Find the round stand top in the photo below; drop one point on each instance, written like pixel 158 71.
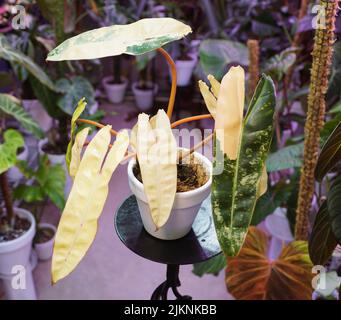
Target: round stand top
pixel 198 245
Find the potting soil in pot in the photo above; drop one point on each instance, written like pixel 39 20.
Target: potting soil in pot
pixel 7 233
pixel 190 174
pixel 44 235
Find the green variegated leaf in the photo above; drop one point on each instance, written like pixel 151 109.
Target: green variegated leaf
pixel 11 106
pixel 334 208
pixel 234 191
pixel 78 111
pixel 13 140
pixel 136 38
pixel 14 56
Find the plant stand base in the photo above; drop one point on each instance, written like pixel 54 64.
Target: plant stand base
pixel 199 245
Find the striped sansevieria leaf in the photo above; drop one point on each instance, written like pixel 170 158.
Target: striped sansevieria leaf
pixel 241 148
pixel 136 38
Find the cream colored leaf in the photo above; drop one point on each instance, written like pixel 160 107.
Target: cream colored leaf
pixel 157 154
pixel 78 224
pixel 215 85
pixel 135 38
pixel 262 183
pixel 210 100
pixel 77 150
pixel 229 115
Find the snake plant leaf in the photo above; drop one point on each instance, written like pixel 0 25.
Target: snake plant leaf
pixel 136 38
pixel 236 190
pixel 78 224
pixel 157 155
pixel 77 150
pixel 77 113
pixel 321 241
pixel 252 276
pixel 334 208
pixel 14 56
pixel 330 154
pixel 13 140
pixel 12 106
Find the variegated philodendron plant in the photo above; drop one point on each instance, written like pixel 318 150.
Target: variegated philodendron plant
pixel 242 145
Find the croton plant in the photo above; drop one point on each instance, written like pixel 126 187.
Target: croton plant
pixel 242 140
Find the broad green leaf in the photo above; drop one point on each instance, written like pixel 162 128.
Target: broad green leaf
pixel 78 225
pixel 334 208
pixel 234 191
pixel 216 55
pixel 74 89
pixel 211 266
pixel 13 140
pixel 29 194
pixel 12 106
pixel 10 54
pixel 78 111
pixel 285 158
pixel 330 154
pixel 322 241
pixel 136 38
pixel 329 127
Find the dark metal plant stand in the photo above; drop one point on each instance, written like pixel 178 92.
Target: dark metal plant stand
pixel 199 245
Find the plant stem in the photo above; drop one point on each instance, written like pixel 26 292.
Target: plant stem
pixel 6 193
pixel 189 119
pixel 116 69
pixel 96 124
pixel 253 46
pixel 322 54
pixel 173 87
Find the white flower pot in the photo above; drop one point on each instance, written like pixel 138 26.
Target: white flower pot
pixel 57 159
pixel 185 208
pixel 184 70
pixel 144 98
pixel 114 91
pixel 38 113
pixel 44 250
pixel 14 260
pixel 14 173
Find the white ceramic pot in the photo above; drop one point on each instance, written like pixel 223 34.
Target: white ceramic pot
pixel 38 113
pixel 14 259
pixel 185 208
pixel 56 159
pixel 184 70
pixel 14 173
pixel 44 250
pixel 114 91
pixel 144 98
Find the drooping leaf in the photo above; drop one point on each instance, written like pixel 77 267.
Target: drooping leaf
pixel 322 241
pixel 234 191
pixel 78 111
pixel 216 55
pixel 12 106
pixel 13 140
pixel 74 89
pixel 29 194
pixel 211 266
pixel 78 224
pixel 252 276
pixel 143 60
pixel 136 38
pixel 285 158
pixel 330 154
pixel 334 208
pixel 14 56
pixel 157 156
pixel 77 150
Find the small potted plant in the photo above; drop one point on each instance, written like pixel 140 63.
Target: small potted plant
pixel 185 63
pixel 115 86
pixel 144 89
pixel 45 182
pixel 242 144
pixel 17 226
